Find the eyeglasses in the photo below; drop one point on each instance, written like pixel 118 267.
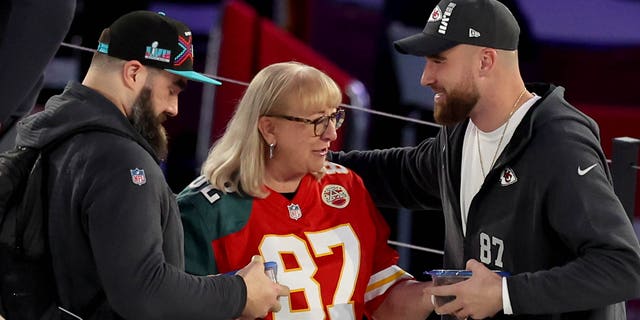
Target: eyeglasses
pixel 321 124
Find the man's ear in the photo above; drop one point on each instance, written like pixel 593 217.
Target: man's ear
pixel 267 129
pixel 488 59
pixel 134 75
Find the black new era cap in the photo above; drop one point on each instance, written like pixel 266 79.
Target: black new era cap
pixel 485 23
pixel 155 40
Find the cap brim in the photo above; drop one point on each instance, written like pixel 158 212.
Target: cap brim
pixel 192 75
pixel 423 45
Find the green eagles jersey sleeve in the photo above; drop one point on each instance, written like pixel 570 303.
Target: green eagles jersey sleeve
pixel 208 214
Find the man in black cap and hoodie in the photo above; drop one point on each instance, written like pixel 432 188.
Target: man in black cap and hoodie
pixel 115 233
pixel 519 175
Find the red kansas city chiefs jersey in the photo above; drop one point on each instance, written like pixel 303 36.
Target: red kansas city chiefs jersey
pixel 329 242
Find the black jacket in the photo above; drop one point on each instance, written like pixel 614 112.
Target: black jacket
pixel 559 228
pixel 115 233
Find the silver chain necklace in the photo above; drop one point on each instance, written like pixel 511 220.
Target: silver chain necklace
pixel 495 154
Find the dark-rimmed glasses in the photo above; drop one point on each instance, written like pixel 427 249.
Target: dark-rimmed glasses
pixel 320 125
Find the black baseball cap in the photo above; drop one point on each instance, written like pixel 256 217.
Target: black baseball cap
pixel 155 40
pixel 485 23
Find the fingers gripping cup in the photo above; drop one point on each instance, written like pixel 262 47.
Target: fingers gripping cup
pixel 271 270
pixel 447 277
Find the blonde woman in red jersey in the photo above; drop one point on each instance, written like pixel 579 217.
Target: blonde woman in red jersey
pixel 267 189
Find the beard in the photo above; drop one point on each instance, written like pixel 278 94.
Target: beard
pixel 148 124
pixel 457 105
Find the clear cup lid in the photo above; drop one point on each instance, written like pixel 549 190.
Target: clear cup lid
pixel 459 273
pixel 271 265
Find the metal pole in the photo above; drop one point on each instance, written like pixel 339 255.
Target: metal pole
pixel 358 95
pixel 624 172
pixel 207 104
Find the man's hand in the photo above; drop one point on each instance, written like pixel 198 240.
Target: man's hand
pixel 478 297
pixel 262 293
pixel 407 300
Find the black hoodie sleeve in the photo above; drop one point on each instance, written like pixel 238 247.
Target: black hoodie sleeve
pixel 134 228
pixel 398 177
pixel 583 210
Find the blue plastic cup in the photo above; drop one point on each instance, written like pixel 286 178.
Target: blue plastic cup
pixel 446 277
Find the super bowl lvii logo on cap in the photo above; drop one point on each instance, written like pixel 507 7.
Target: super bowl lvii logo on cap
pixel 158 54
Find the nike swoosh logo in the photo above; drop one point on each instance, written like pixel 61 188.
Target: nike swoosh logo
pixel 585 171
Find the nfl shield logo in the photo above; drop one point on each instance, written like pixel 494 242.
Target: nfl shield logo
pixel 294 211
pixel 137 176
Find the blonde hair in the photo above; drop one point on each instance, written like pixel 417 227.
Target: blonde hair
pixel 236 162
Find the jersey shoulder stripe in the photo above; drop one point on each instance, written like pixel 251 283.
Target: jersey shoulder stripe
pixel 380 282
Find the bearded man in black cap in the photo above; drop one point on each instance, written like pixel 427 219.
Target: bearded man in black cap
pixel 519 174
pixel 115 233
